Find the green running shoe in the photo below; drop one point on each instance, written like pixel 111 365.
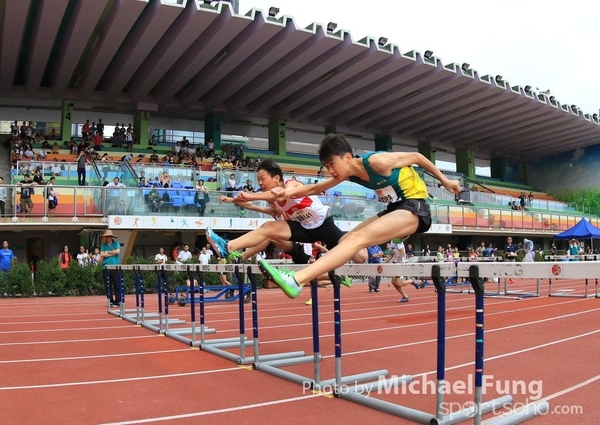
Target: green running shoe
pixel 235 256
pixel 283 278
pixel 345 280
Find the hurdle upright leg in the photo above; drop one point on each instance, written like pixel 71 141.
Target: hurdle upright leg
pixel 265 362
pixel 177 333
pixel 339 379
pixel 314 293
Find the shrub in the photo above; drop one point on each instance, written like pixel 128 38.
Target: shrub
pixel 49 278
pixel 18 280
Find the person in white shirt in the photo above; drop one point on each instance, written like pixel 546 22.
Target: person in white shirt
pixel 209 251
pixel 185 255
pixel 113 193
pixel 399 282
pixel 204 257
pixel 160 258
pixel 96 258
pixel 83 258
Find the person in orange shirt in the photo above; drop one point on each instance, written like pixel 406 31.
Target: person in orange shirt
pixel 64 258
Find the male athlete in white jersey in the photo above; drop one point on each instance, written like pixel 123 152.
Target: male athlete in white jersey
pixel 303 219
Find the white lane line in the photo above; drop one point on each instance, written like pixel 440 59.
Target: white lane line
pixel 66 341
pixel 217 411
pixel 43 322
pixel 116 381
pixel 103 356
pixel 428 341
pixel 67 329
pixel 512 353
pixel 391 328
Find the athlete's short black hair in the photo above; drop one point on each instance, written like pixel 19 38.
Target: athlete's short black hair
pixel 271 167
pixel 333 145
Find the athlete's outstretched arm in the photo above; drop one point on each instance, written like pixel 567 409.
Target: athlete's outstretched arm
pixel 296 189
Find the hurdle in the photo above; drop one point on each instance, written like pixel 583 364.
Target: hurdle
pixel 163 321
pixel 465 286
pixel 550 271
pixel 315 382
pixel 355 394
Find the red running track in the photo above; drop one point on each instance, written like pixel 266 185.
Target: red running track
pixel 66 361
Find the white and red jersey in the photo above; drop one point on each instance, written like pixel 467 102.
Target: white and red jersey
pixel 309 211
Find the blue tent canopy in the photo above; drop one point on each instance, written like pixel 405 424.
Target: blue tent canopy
pixel 582 230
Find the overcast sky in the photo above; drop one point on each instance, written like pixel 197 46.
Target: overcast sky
pixel 546 44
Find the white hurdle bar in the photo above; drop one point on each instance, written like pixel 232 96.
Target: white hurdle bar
pixel 542 270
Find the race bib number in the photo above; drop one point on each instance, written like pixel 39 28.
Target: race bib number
pixel 305 216
pixel 386 195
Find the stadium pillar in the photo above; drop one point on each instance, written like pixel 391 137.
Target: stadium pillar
pixel 465 162
pixel 141 127
pixel 277 137
pixel 383 143
pixel 66 120
pixel 427 151
pixel 523 172
pixel 498 168
pixel 212 128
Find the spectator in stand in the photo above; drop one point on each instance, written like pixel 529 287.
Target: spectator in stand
pixel 65 258
pixel 426 252
pixel 410 252
pixel 155 200
pixel 142 180
pixel 231 183
pixel 83 257
pixel 85 129
pixel 100 128
pixel 26 191
pixel 82 160
pixel 129 138
pixel 51 196
pixel 2 196
pixel 200 197
pixel 210 148
pixel 165 180
pixel 97 142
pixel 113 193
pixel 154 157
pixel 7 257
pixel 249 187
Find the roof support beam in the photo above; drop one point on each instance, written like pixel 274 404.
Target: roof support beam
pixel 47 23
pixel 79 30
pixel 13 30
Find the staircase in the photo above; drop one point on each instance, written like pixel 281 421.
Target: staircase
pixel 5 168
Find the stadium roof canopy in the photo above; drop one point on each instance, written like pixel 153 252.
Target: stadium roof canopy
pixel 181 61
